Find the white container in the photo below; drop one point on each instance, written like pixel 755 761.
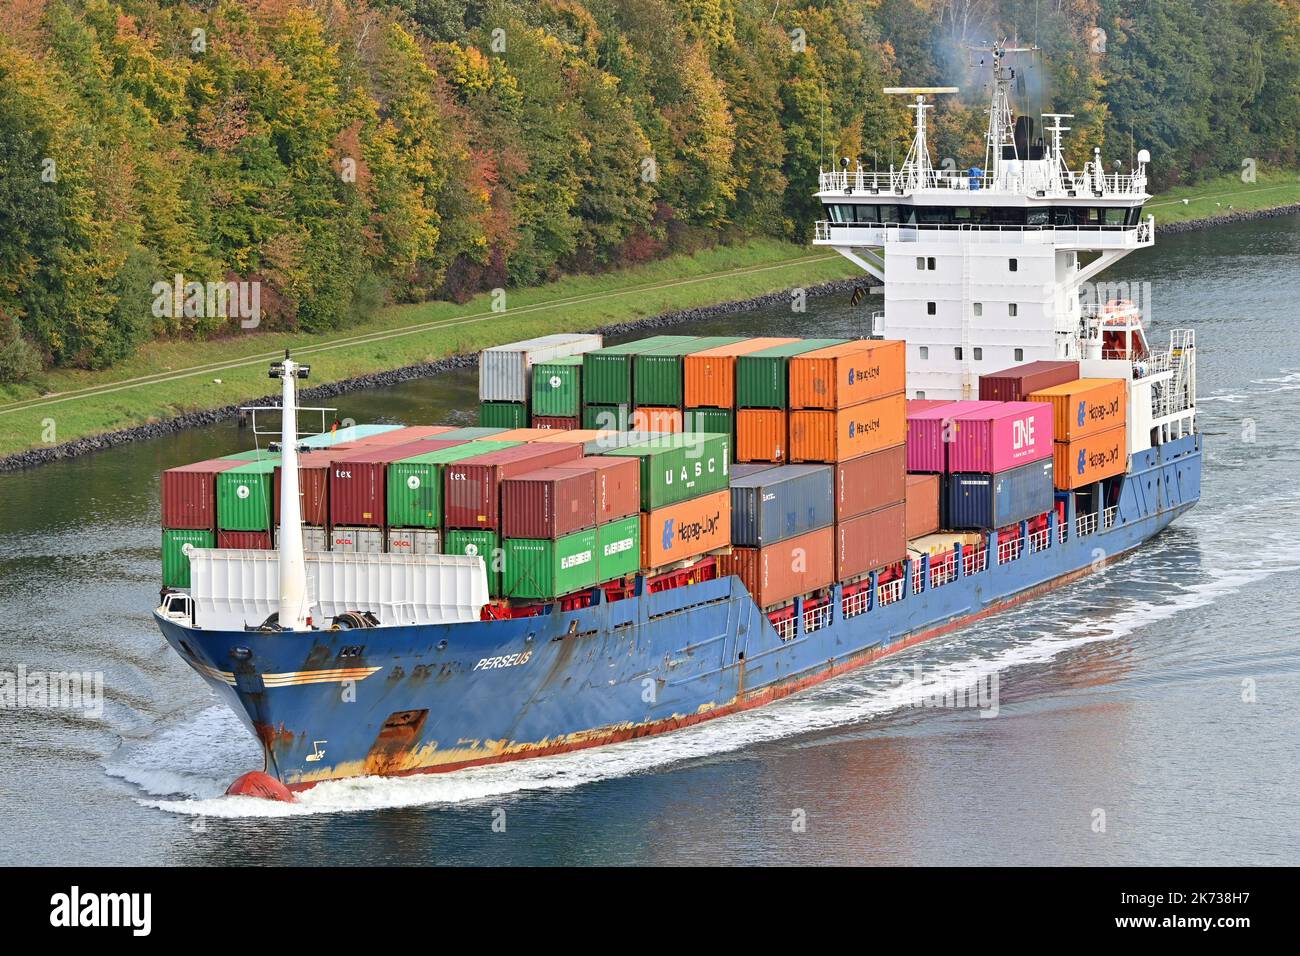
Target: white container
pixel 505 371
pixel 414 541
pixel 314 538
pixel 357 540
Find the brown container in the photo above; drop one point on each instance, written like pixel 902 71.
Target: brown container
pixel 472 487
pixel 843 375
pixel 870 541
pixel 548 503
pixel 870 481
pixel 189 494
pixel 553 423
pixel 651 418
pixel 711 375
pixel 832 436
pixel 1014 384
pixel 618 485
pixel 358 486
pixel 922 505
pixel 779 572
pixel 400 436
pixel 761 435
pixel 314 482
pixel 256 540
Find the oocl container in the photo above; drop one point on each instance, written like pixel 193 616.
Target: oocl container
pixel 618 485
pixel 189 494
pixel 1002 436
pixel 550 423
pixel 762 377
pixel 710 374
pixel 1016 383
pixel 847 374
pixel 544 568
pixel 472 487
pixel 779 572
pixel 930 433
pixel 922 505
pixel 618 548
pixel 677 467
pixel 414 541
pixel 1087 406
pixel 762 435
pixel 651 419
pixel 358 481
pixel 557 388
pixel 244 497
pixel 685 529
pixel 848 432
pixel 357 540
pixel 607 372
pixel 176 547
pixel 506 371
pixel 658 378
pixel 548 503
pixel 503 415
pixel 780 502
pixel 986 501
pixel 870 481
pixel 1092 458
pixel 870 541
pixel 478 543
pixel 414 492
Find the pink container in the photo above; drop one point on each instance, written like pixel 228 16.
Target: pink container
pixel 1007 435
pixel 926 448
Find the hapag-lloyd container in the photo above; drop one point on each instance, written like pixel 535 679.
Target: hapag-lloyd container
pixel 831 436
pixel 618 548
pixel 1092 458
pixel 779 503
pixel 778 572
pixel 711 373
pixel 618 485
pixel 557 388
pixel 658 379
pixel 685 529
pixel 930 433
pixel 505 372
pixel 189 494
pixel 1085 407
pixel 472 487
pixel 1016 383
pixel 649 418
pixel 869 481
pixel 176 547
pixel 762 377
pixel 503 414
pixel 677 467
pixel 870 541
pixel 479 543
pixel 548 502
pixel 607 372
pixel 1006 435
pixel 313 483
pixel 548 568
pixel 550 423
pixel 244 496
pixel 986 501
pixel 762 435
pixel 414 498
pixel 848 374
pixel 922 505
pixel 358 481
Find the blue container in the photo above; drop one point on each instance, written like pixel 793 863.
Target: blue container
pixel 781 502
pixel 980 502
pixel 745 469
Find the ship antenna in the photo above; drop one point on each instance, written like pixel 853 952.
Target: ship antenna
pixel 294 608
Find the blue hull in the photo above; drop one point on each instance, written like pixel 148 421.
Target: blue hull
pixel 396 700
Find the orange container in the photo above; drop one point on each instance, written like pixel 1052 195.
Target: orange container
pixel 1085 460
pixel 685 529
pixel 571 436
pixel 819 435
pixel 1086 406
pixel 761 435
pixel 522 434
pixel 651 418
pixel 776 573
pixel 711 374
pixel 842 375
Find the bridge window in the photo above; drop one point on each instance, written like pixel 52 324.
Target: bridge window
pixel 979 309
pixel 1012 309
pixel 930 263
pixel 1020 355
pixel 920 262
pixel 1013 265
pixel 956 353
pixel 1116 217
pixel 979 353
pixel 931 308
pixel 924 352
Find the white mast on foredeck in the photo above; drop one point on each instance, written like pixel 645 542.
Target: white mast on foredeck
pixel 294 609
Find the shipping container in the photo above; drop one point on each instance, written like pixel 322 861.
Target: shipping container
pixel 355 540
pixel 473 433
pixel 606 417
pixel 189 494
pixel 618 485
pixel 718 421
pixel 472 487
pixel 1002 436
pixel 781 571
pixel 313 483
pixel 618 548
pixel 252 454
pixel 918 405
pixel 176 546
pixel 710 375
pixel 255 540
pixel 930 434
pixel 479 543
pixel 677 467
pixel 503 415
pixel 522 435
pixel 414 541
pixel 1092 458
pixel 922 505
pixel 505 372
pixel 658 378
pixel 557 388
pixel 575 436
pixel 359 482
pixel 244 497
pixel 548 502
pixel 779 503
pixel 314 538
pixel 407 433
pixel 870 481
pixel 346 435
pixel 762 435
pixel 848 374
pixel 651 419
pixel 606 440
pixel 607 372
pixel 541 568
pixel 551 423
pixel 871 541
pixel 986 501
pixel 1016 383
pixel 685 529
pixel 744 470
pixel 832 436
pixel 414 493
pixel 762 377
pixel 1087 406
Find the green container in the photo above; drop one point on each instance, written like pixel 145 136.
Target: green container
pixel 681 466
pixel 473 433
pixel 657 377
pixel 618 548
pixel 415 483
pixel 762 378
pixel 502 415
pixel 253 454
pixel 175 563
pixel 611 417
pixel 482 543
pixel 557 387
pixel 719 421
pixel 542 568
pixel 244 501
pixel 607 373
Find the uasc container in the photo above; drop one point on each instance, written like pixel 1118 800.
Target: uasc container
pixel 1085 407
pixel 779 503
pixel 472 487
pixel 870 481
pixel 931 431
pixel 762 435
pixel 778 572
pixel 762 377
pixel 711 374
pixel 548 503
pixel 848 432
pixel 685 529
pixel 848 374
pixel 1005 435
pixel 871 541
pixel 189 494
pixel 922 505
pixel 1092 458
pixel 618 485
pixel 1015 384
pixel 986 501
pixel 545 568
pixel 677 467
pixel 506 371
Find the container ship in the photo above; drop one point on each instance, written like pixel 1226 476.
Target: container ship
pixel 642 536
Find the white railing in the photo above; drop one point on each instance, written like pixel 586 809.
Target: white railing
pixel 1087 237
pixel 890 591
pixel 785 629
pixel 1009 550
pixel 857 603
pixel 941 574
pixel 974 560
pixel 1108 517
pixel 1061 533
pixel 815 618
pixel 918 578
pixel 1086 524
pixel 1039 540
pixel 1028 183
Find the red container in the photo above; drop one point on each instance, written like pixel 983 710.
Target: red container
pixel 189 494
pixel 548 503
pixel 870 541
pixel 1000 437
pixel 869 482
pixel 1014 384
pixel 618 485
pixel 922 505
pixel 400 436
pixel 554 422
pixel 782 571
pixel 916 405
pixel 472 488
pixel 258 540
pixel 930 433
pixel 314 482
pixel 358 488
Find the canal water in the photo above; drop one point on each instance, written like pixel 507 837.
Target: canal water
pixel 1146 715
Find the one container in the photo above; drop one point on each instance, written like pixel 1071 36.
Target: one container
pixel 930 434
pixel 176 547
pixel 548 503
pixel 658 378
pixel 189 494
pixel 1092 458
pixel 870 541
pixel 985 501
pixel 414 541
pixel 719 421
pixel 483 544
pixel 710 374
pixel 817 435
pixel 244 496
pixel 606 417
pixel 472 433
pixel 649 418
pixel 254 540
pixel 607 372
pixel 618 485
pixel 1016 383
pixel 677 467
pixel 779 503
pixel 761 435
pixel 347 435
pixel 550 423
pixel 506 371
pixel 1000 437
pixel 870 481
pixel 762 377
pixel 1085 407
pixel 472 487
pixel 848 374
pixel 685 529
pixel 503 415
pixel 414 493
pixel 922 505
pixel 359 481
pixel 557 388
pixel 778 572
pixel 540 568
pixel 576 436
pixel 357 540
pixel 618 548
pixel 313 484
